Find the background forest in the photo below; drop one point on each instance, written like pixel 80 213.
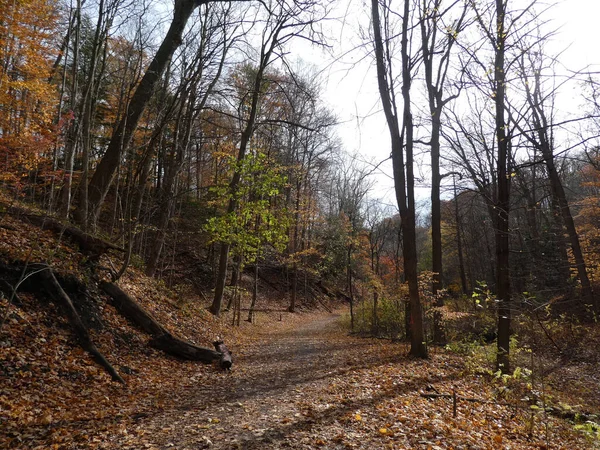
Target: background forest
pixel 196 141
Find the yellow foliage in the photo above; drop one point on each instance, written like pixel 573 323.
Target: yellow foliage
pixel 27 98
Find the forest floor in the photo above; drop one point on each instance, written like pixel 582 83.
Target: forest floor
pixel 311 385
pixel 299 381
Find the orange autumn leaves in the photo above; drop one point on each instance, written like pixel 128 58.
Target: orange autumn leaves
pixel 27 100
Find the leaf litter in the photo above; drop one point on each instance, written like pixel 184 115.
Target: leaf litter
pixel 299 382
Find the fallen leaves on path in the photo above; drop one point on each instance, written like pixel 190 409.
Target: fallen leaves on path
pixel 302 383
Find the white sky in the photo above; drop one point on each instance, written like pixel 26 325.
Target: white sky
pixel 351 91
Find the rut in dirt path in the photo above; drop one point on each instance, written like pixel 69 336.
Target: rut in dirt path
pixel 265 399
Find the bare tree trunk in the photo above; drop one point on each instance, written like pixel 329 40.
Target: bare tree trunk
pixel 254 293
pixel 436 51
pixel 294 298
pixel 558 230
pixel 86 121
pixel 502 207
pixel 235 273
pixel 71 140
pixel 461 263
pixel 265 58
pixel 404 182
pixel 236 279
pixel 349 285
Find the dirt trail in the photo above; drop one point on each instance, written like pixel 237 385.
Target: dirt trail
pixel 269 400
pixel 312 386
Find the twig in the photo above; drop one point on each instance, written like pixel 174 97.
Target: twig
pixel 455 397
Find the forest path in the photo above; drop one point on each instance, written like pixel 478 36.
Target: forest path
pixel 307 384
pixel 283 391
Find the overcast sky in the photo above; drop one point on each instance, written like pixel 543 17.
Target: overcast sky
pixel 351 88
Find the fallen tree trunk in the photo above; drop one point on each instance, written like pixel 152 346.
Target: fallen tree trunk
pixel 60 297
pixel 226 361
pixel 182 349
pixel 162 339
pixel 132 310
pixel 88 244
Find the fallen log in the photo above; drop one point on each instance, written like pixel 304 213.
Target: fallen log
pixel 132 310
pixel 182 349
pixel 226 361
pixel 162 339
pixel 87 243
pixel 60 297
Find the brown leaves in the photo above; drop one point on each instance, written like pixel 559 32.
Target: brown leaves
pixel 299 383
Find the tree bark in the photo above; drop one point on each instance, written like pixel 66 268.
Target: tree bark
pixel 254 293
pixel 88 107
pixel 461 259
pixel 502 207
pixel 404 181
pixel 184 350
pixel 72 132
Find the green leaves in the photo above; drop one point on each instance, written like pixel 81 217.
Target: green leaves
pixel 258 220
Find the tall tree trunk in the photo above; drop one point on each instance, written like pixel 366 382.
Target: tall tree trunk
pixel 438 55
pixel 294 298
pixel 72 132
pixel 556 227
pixel 418 345
pixel 436 227
pixel 86 120
pixel 404 182
pixel 503 205
pixel 349 287
pixel 236 279
pixel 254 293
pixel 461 262
pixel 103 176
pixel 266 53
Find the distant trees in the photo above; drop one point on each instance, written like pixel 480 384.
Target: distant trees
pixel 89 209
pixel 286 21
pixel 535 122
